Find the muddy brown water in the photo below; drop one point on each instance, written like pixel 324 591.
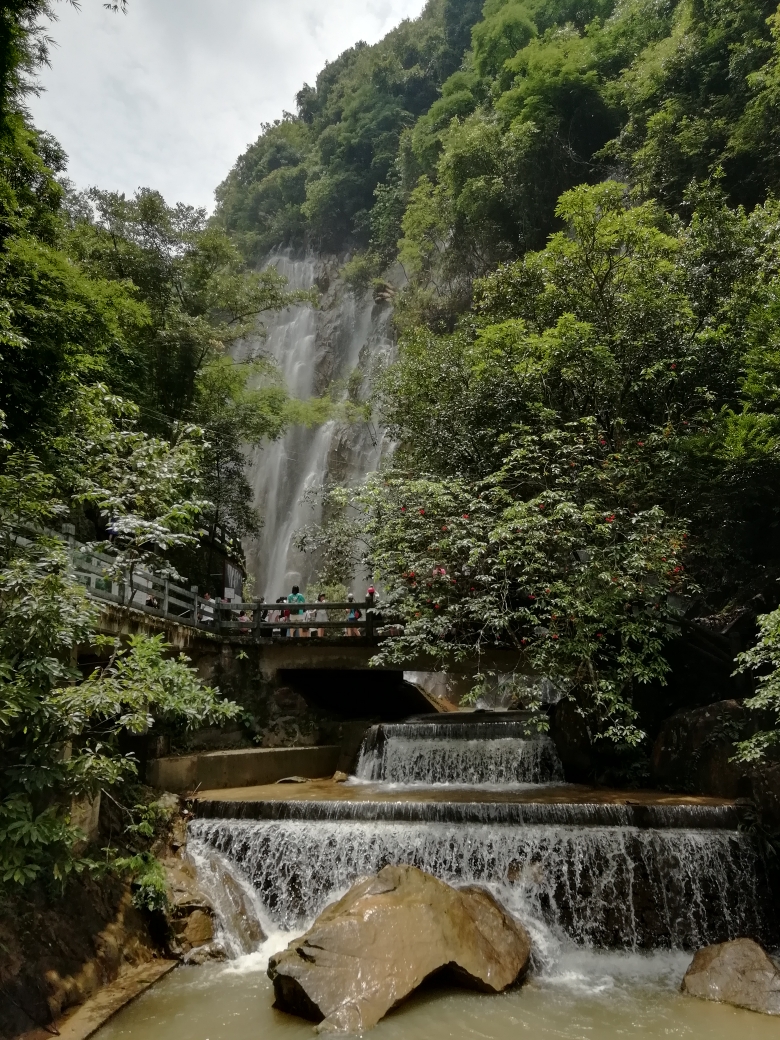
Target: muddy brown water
pixel 585 996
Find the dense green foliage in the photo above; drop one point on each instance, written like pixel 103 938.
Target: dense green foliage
pixel 458 131
pixel 122 413
pixel 594 445
pixel 585 401
pixel 315 174
pixel 60 737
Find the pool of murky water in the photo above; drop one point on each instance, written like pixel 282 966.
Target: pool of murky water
pixel 583 996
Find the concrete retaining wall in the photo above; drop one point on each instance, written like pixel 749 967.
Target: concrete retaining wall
pixel 244 768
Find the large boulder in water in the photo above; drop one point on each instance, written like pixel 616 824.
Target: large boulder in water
pixel 737 972
pixel 372 948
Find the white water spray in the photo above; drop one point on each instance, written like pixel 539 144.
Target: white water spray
pixel 314 347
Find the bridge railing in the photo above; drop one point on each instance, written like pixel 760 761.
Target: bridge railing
pixel 160 597
pixel 257 622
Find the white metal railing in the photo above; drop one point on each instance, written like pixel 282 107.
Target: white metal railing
pixel 144 590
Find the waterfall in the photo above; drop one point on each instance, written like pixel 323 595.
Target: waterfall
pixel 483 754
pixel 602 886
pixel 631 874
pixel 238 908
pixel 340 341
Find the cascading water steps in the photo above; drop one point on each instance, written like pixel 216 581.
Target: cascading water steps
pixel 476 799
pixel 480 753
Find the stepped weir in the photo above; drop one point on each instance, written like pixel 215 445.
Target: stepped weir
pixel 477 799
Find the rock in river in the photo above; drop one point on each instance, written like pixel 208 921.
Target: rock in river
pixel 373 947
pixel 737 972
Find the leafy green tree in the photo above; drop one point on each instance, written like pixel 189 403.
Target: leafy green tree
pixel 192 280
pixel 763 660
pixel 504 30
pixel 548 555
pixel 597 439
pixel 59 736
pixel 142 493
pixel 689 96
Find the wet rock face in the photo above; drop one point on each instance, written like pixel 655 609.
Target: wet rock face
pixel 371 949
pixel 190 914
pixel 694 748
pixel 694 752
pixel 738 973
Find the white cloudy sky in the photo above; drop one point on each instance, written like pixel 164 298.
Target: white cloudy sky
pixel 169 95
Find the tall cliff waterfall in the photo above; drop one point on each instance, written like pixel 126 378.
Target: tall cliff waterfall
pixel 342 341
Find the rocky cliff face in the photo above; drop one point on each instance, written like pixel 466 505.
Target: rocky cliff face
pixel 339 345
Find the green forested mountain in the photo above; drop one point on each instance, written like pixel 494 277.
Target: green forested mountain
pixel 314 175
pixel 458 131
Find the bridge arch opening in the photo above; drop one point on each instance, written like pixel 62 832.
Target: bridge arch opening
pixel 357 693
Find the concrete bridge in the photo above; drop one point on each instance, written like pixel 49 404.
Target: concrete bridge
pixel 334 651
pixel 237 646
pixel 142 600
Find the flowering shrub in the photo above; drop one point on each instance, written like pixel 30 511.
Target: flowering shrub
pixel 580 592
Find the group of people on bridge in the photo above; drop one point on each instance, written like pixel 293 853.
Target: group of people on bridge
pixel 286 617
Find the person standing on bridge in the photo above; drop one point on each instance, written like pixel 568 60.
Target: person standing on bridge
pixel 206 616
pixel 296 596
pixel 321 615
pixel 355 614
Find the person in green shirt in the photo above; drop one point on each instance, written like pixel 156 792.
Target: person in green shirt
pixel 296 596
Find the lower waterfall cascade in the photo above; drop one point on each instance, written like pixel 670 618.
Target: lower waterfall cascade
pixel 619 876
